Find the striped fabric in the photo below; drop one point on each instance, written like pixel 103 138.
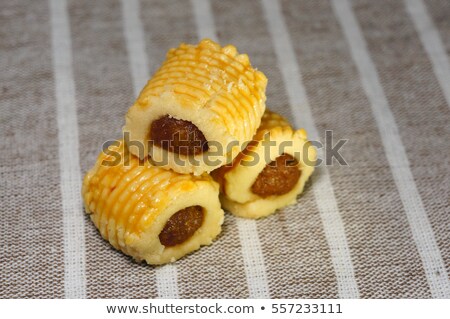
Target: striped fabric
pixel 375 73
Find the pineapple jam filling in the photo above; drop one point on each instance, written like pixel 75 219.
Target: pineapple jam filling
pixel 278 177
pixel 178 136
pixel 181 226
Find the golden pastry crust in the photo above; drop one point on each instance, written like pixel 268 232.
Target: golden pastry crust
pixel 274 137
pixel 130 203
pixel 214 88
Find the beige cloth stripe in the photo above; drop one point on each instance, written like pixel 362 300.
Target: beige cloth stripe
pixel 135 41
pixel 74 245
pixel 432 43
pixel 167 281
pixel 206 27
pixel 255 268
pixel 419 223
pixel 252 253
pixel 166 276
pixel 323 189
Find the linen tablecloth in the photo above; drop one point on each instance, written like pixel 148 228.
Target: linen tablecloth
pixel 373 73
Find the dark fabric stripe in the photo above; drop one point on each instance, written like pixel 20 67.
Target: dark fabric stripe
pixel 166 25
pixel 104 93
pixel 31 250
pixel 215 271
pixel 293 238
pixel 440 13
pixel 243 25
pixel 371 208
pixel 418 105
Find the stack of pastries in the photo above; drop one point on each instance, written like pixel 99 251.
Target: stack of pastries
pixel 198 138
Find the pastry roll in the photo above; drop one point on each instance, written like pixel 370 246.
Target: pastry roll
pixel 270 172
pixel 198 110
pixel 147 212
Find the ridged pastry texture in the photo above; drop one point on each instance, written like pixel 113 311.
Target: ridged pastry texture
pixel 274 137
pixel 130 202
pixel 213 87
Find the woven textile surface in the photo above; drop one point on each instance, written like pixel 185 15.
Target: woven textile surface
pixel 375 73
